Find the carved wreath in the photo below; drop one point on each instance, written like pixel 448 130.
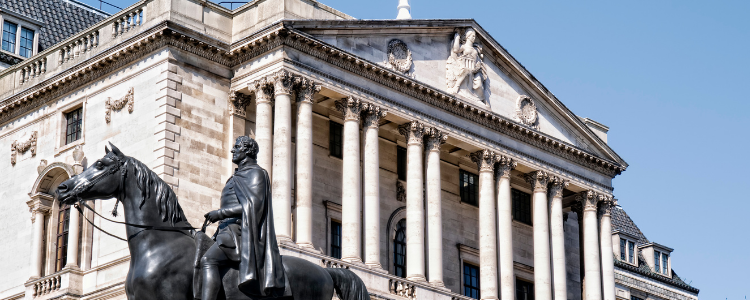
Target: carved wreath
pixel 118 104
pixel 399 56
pixel 526 112
pixel 16 147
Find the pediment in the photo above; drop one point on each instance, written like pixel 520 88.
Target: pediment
pixel 436 53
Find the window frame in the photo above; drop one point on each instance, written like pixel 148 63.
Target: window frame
pixel 527 283
pixel 21 42
pixel 335 149
pixel 22 22
pixel 401 162
pixel 623 249
pixel 465 285
pixel 665 263
pixel 516 207
pixel 14 38
pixel 631 252
pixel 61 237
pixel 61 137
pixel 472 190
pixel 400 228
pixel 334 233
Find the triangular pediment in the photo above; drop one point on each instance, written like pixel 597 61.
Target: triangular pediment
pixel 441 54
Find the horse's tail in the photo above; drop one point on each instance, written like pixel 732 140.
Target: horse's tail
pixel 348 285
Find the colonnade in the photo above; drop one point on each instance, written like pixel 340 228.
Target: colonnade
pixel 423 185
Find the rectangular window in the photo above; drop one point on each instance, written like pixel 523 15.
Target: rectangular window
pixel 336 139
pixel 657 260
pixel 63 220
pixel 469 185
pixel 401 162
pixel 9 36
pixel 73 129
pixel 27 43
pixel 631 252
pixel 471 281
pixel 623 251
pixel 335 239
pixel 521 206
pixel 524 290
pixel 635 298
pixel 664 263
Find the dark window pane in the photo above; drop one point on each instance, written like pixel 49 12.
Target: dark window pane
pixel 631 252
pixel 657 262
pixel 9 36
pixel 335 141
pixel 399 249
pixel 401 162
pixel 469 185
pixel 622 249
pixel 524 290
pixel 521 206
pixel 63 220
pixel 664 264
pixel 471 281
pixel 74 122
pixel 336 239
pixel 635 298
pixel 27 43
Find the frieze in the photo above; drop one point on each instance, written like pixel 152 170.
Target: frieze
pixel 118 105
pixel 22 147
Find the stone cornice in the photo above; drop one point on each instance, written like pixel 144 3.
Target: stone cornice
pixel 173 35
pixel 669 281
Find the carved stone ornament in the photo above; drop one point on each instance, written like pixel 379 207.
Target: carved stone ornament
pixel 588 200
pixel 263 89
pixel 29 145
pixel 118 104
pixel 556 186
pixel 283 82
pixel 485 160
pixel 504 166
pixel 400 192
pixel 606 203
pixel 465 69
pixel 413 132
pixel 306 90
pixel 434 138
pixel 538 180
pixel 42 165
pixel 350 107
pixel 526 112
pixel 372 115
pixel 399 56
pixel 238 104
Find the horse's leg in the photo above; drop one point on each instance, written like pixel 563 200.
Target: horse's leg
pixel 307 280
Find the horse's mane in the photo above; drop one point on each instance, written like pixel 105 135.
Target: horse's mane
pixel 166 200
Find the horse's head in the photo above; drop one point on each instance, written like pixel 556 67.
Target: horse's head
pixel 102 180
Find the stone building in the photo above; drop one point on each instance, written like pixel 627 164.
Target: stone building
pixel 418 153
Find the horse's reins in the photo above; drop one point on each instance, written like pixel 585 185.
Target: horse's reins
pixel 119 166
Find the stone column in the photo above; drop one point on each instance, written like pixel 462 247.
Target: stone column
pixel 73 237
pixel 433 140
pixel 485 160
pixel 415 267
pixel 557 232
pixel 505 227
pixel 39 205
pixel 542 268
pixel 372 115
pixel 264 123
pixel 282 156
pixel 351 191
pixel 606 203
pixel 592 270
pixel 237 114
pixel 307 90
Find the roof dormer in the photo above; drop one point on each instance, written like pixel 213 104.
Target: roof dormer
pixel 624 245
pixel 20 34
pixel 658 258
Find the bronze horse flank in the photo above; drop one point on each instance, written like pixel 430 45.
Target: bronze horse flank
pixel 162 261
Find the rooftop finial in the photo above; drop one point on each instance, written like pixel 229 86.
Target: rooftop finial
pixel 404 10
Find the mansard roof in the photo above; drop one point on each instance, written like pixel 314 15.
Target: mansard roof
pixel 60 18
pixel 622 222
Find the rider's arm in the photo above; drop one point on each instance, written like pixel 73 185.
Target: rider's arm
pixel 234 211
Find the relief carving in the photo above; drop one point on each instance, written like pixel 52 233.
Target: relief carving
pixel 526 112
pixel 400 191
pixel 16 147
pixel 238 104
pixel 399 57
pixel 118 104
pixel 465 70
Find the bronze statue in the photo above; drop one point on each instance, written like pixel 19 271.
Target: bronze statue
pixel 168 255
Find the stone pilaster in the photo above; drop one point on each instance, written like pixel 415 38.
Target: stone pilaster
pixel 351 195
pixel 263 90
pixel 592 288
pixel 283 82
pixel 414 134
pixel 542 268
pixel 306 90
pixel 39 206
pixel 434 138
pixel 505 227
pixel 557 233
pixel 372 115
pixel 606 204
pixel 485 160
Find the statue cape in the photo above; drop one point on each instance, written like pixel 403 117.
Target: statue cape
pixel 261 272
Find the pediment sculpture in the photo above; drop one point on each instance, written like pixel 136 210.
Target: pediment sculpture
pixel 399 57
pixel 526 112
pixel 466 73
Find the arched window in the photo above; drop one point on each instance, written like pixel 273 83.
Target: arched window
pixel 399 249
pixel 63 227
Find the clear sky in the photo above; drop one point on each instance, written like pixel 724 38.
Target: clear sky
pixel 670 79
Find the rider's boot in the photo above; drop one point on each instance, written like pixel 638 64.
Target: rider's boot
pixel 211 282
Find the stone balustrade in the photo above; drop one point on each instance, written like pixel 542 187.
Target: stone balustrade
pixel 128 21
pixel 33 69
pixel 47 285
pixel 79 47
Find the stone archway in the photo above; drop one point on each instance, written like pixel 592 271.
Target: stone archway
pixel 396 216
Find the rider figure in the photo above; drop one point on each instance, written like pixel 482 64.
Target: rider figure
pixel 246 234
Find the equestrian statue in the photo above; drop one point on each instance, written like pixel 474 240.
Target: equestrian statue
pixel 169 259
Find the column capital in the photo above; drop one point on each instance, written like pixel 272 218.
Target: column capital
pixel 485 160
pixel 606 204
pixel 238 102
pixel 372 115
pixel 556 186
pixel 504 165
pixel 306 89
pixel 283 82
pixel 434 138
pixel 413 132
pixel 350 107
pixel 538 180
pixel 39 203
pixel 263 90
pixel 588 200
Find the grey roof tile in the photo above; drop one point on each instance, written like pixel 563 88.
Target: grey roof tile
pixel 622 222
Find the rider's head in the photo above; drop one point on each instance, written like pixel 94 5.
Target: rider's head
pixel 244 147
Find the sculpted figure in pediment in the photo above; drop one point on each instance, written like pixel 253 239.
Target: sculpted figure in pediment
pixel 466 72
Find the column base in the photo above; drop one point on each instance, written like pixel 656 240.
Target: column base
pixel 72 267
pixel 438 284
pixel 417 278
pixel 353 260
pixel 308 246
pixel 376 267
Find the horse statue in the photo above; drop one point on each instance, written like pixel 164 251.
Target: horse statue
pixel 163 245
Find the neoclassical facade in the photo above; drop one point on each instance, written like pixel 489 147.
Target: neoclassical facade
pixel 418 153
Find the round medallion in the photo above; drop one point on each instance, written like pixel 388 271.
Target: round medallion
pixel 399 56
pixel 526 111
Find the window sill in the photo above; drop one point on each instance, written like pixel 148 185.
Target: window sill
pixel 61 150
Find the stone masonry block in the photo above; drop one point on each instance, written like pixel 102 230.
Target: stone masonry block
pixel 163 169
pixel 167 144
pixel 166 109
pixel 164 152
pixel 168 127
pixel 169 179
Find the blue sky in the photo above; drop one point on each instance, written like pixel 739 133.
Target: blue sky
pixel 669 78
